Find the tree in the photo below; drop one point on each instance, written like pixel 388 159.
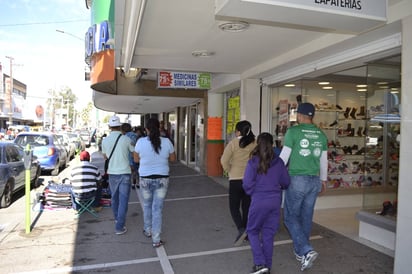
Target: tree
pixel 61 104
pixel 85 114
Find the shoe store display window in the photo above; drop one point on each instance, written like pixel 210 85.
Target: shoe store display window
pixel 359 111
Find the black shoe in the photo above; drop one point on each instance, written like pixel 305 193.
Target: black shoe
pixel 240 238
pixel 334 123
pixel 158 244
pixel 346 114
pixel 387 208
pixel 147 234
pixel 353 112
pixel 259 269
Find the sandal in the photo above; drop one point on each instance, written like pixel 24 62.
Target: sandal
pixel 158 244
pixel 147 234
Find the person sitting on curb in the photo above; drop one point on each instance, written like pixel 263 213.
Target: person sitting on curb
pixel 85 181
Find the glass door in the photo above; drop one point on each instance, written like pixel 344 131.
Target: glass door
pixel 182 147
pixel 192 138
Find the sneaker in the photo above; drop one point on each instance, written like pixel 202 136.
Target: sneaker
pixel 240 238
pixel 308 259
pixel 147 234
pixel 298 257
pixel 158 244
pixel 259 269
pixel 120 232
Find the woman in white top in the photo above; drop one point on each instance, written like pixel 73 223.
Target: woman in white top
pixel 153 154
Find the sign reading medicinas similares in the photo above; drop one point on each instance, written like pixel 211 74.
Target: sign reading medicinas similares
pixel 186 80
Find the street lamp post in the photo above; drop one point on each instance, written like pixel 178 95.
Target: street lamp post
pixel 68 33
pixel 10 94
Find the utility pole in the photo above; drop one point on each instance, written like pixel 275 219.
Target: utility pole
pixel 11 92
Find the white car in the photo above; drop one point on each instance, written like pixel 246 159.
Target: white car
pixel 68 144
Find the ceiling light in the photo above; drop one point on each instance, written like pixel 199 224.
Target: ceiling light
pixel 361 86
pixel 289 85
pixel 328 87
pixel 202 53
pixel 324 83
pixel 237 26
pixel 382 83
pixel 362 89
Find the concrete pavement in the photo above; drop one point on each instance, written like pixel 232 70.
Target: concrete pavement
pixel 197 229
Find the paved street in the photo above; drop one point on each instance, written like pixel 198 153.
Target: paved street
pixel 198 232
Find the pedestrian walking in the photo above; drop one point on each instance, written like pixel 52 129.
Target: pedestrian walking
pixel 265 177
pixel 127 130
pixel 116 147
pixel 305 152
pixel 234 160
pixel 153 154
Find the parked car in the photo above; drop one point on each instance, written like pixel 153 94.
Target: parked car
pixel 13 172
pixel 78 141
pixel 47 148
pixel 85 135
pixel 68 144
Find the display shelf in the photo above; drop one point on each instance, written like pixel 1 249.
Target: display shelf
pixel 356 148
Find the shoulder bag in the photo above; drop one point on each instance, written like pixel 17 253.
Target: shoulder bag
pixel 106 163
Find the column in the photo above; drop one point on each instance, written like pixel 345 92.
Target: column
pixel 215 144
pixel 404 218
pixel 250 107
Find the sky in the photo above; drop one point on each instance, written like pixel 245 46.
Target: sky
pixel 45 59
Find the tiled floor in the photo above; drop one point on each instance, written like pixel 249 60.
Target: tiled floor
pixel 343 221
pixel 340 220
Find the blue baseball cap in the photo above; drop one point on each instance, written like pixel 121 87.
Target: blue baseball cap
pixel 306 109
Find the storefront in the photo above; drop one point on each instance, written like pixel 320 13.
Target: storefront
pixel 356 87
pixel 359 111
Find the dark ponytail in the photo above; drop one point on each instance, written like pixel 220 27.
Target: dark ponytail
pixel 245 129
pixel 264 151
pixel 153 126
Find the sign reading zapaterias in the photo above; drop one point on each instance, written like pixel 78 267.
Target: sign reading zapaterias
pixel 338 16
pixel 348 4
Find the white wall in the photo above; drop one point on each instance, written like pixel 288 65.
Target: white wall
pixel 215 104
pixel 249 103
pixel 404 220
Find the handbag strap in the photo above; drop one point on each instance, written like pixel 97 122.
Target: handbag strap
pixel 115 146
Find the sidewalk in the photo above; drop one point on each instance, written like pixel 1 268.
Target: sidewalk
pixel 198 232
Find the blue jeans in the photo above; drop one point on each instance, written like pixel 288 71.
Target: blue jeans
pixel 153 192
pixel 300 199
pixel 120 189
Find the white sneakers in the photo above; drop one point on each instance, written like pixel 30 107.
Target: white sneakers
pixel 308 259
